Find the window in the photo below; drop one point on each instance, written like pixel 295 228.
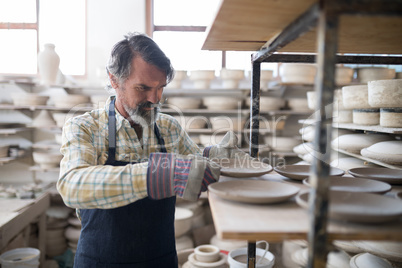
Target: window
pixel 178 26
pixel 24 31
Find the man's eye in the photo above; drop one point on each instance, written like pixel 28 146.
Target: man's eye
pixel 140 88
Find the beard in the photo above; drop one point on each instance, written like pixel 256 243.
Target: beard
pixel 143 117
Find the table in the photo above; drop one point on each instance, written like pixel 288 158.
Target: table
pixel 19 219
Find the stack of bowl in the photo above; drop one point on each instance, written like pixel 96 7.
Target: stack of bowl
pixel 56 243
pixel 386 95
pixel 227 123
pixel 179 76
pixel 183 103
pixel 231 78
pixel 70 100
pixel 269 103
pixel 206 256
pixel 222 103
pixel 47 159
pixel 182 226
pixel 202 78
pixel 30 99
pixel 367 74
pixel 72 233
pixel 297 73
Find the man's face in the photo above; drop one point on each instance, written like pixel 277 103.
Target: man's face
pixel 139 96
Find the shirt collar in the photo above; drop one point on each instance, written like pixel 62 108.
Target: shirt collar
pixel 120 120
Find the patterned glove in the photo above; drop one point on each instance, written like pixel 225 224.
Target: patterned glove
pixel 185 176
pixel 227 148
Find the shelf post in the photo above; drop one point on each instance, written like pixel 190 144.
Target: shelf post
pixel 319 175
pixel 254 129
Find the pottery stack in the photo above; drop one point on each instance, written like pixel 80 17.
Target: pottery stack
pixel 56 243
pixel 182 227
pixel 72 233
pixel 206 256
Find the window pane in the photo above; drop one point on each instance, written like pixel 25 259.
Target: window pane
pixel 62 23
pixel 185 12
pixel 18 11
pixel 242 60
pixel 184 50
pixel 18 55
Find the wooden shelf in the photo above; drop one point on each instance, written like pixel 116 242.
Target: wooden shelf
pixel 11 131
pixel 351 126
pixel 38 168
pixel 369 159
pixel 241 26
pixel 278 222
pixel 42 107
pixel 235 93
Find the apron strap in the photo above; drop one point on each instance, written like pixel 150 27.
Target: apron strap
pixel 111 159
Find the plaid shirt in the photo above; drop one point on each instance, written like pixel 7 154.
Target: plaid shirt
pixel 85 182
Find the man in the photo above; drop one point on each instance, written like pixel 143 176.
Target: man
pixel 124 165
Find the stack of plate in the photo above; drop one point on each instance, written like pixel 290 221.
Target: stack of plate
pixel 231 78
pixel 202 78
pixel 56 243
pixel 71 233
pixel 176 83
pixel 297 73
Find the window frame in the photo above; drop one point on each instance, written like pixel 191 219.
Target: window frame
pixel 150 27
pixel 35 26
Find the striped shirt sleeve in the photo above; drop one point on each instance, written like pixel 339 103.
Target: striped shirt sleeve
pixel 84 183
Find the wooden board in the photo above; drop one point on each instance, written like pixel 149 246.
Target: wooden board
pixel 278 222
pixel 243 25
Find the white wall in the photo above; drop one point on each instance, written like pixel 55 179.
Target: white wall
pixel 107 22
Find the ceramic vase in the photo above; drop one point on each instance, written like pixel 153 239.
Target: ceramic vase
pixel 48 64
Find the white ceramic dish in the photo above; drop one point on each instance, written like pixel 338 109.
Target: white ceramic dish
pixel 281 144
pixel 297 73
pixel 182 221
pixel 299 104
pixel 240 168
pixel 355 97
pixel 254 191
pixel 300 172
pixel 391 176
pixel 391 117
pixel 222 103
pixel 353 143
pixel 184 102
pixel 192 122
pixel 30 99
pixel 359 207
pixel 207 253
pixel 366 117
pixel 386 151
pixel 269 103
pixel 238 258
pixel 367 74
pixel 47 159
pixel 343 116
pixel 367 260
pixel 343 75
pixel 351 184
pixel 388 250
pixel 221 263
pixel 227 123
pixel 385 93
pixel 70 100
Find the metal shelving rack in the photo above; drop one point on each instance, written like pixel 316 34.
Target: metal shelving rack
pixel 325 16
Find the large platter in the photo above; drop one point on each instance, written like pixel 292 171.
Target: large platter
pixel 300 172
pixel 254 191
pixel 351 184
pixel 391 176
pixel 359 207
pixel 243 168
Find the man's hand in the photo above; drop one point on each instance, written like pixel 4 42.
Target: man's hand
pixel 227 149
pixel 185 176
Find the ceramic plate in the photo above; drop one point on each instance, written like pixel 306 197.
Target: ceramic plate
pixel 351 184
pixel 300 172
pixel 359 207
pixel 254 191
pixel 384 249
pixel 392 176
pixel 367 260
pixel 243 168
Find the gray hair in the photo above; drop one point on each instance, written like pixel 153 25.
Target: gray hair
pixel 133 45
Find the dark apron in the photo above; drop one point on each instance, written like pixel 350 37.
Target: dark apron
pixel 140 234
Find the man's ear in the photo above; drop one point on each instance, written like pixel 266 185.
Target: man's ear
pixel 113 81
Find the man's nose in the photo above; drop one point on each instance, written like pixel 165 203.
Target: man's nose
pixel 154 96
